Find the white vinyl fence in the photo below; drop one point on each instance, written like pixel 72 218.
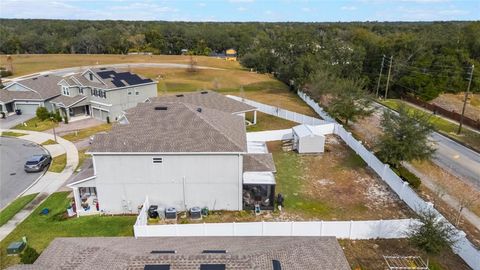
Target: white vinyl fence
pixel 464 248
pixel 270 135
pixel 282 113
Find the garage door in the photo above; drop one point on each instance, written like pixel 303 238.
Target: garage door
pixel 28 108
pixel 99 114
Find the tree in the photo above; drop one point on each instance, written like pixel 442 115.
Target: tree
pixel 405 136
pixel 29 255
pixel 42 113
pixel 433 234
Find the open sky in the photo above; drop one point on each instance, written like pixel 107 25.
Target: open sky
pixel 244 10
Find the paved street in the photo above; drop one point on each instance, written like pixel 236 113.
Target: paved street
pixel 13 154
pixel 454 157
pixel 13 120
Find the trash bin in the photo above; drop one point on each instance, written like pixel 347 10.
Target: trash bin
pixel 18 111
pixel 2 115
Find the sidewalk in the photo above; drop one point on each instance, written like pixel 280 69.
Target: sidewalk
pixel 450 200
pixel 49 183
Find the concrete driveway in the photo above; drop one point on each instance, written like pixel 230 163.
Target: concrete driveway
pixel 13 179
pixel 14 120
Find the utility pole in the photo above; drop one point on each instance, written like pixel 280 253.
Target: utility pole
pixel 465 100
pixel 388 77
pixel 380 76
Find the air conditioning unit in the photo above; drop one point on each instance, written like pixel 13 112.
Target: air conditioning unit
pixel 195 213
pixel 171 213
pixel 152 211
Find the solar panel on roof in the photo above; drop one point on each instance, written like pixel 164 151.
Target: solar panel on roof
pixel 157 267
pixel 212 267
pixel 276 265
pixel 123 78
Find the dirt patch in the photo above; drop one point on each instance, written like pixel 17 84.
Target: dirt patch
pixel 368 254
pixel 335 185
pixel 454 102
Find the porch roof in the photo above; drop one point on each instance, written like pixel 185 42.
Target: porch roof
pixel 85 173
pixel 258 178
pixel 67 102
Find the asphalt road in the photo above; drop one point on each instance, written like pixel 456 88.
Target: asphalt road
pixel 454 157
pixel 13 154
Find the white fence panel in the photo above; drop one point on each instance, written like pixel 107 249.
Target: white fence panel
pixel 271 135
pixel 190 229
pixel 340 229
pixel 248 229
pixel 219 229
pixel 278 228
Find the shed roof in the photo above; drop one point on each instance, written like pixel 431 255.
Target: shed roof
pixel 244 253
pixel 67 101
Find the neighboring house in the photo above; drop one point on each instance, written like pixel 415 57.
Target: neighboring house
pixel 98 92
pixel 179 155
pixel 102 93
pixel 191 253
pixel 29 94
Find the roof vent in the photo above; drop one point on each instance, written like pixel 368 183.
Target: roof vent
pixel 35 78
pixel 160 108
pixel 163 252
pixel 199 109
pixel 276 265
pixel 181 95
pixel 204 92
pixel 103 68
pixel 214 251
pixel 45 76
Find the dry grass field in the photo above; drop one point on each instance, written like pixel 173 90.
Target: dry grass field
pixel 30 63
pixel 454 102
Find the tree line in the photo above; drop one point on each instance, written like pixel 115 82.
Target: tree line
pixel 428 58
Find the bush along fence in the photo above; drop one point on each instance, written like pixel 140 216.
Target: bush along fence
pixel 463 247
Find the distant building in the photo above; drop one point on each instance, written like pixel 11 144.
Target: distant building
pixel 231 55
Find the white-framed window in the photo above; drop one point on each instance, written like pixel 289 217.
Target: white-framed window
pixel 157 160
pixel 129 92
pixel 137 93
pixel 66 90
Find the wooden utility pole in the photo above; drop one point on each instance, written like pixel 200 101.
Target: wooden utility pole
pixel 388 77
pixel 465 100
pixel 380 76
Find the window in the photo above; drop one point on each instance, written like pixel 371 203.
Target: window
pixel 80 90
pixel 66 90
pixel 137 93
pixel 104 94
pixel 157 160
pixel 91 76
pixel 95 92
pixel 129 92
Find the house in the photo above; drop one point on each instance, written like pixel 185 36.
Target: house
pixel 308 139
pixel 95 92
pixel 178 154
pixel 191 253
pixel 29 94
pixel 231 55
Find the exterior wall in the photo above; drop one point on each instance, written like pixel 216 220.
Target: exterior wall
pixel 311 144
pixel 124 181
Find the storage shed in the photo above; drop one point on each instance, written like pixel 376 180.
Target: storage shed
pixel 307 139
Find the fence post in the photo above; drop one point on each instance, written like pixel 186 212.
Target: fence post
pixel 204 229
pixel 385 168
pixel 402 193
pixel 321 228
pixel 176 229
pixel 234 229
pixel 263 228
pixel 291 228
pixel 350 230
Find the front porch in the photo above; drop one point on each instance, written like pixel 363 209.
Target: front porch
pixel 85 201
pixel 258 190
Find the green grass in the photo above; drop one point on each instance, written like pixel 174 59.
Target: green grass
pixel 12 134
pixel 13 208
pixel 441 125
pixel 36 124
pixel 49 142
pixel 41 230
pixel 268 122
pixel 87 132
pixel 291 185
pixel 58 163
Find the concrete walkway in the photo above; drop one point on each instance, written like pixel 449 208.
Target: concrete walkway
pixel 450 200
pixel 49 183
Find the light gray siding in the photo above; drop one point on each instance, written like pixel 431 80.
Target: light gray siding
pixel 124 181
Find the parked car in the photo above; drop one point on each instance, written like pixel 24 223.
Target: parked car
pixel 37 163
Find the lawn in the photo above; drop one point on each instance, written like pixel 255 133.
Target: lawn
pixel 335 185
pixel 49 142
pixel 14 207
pixel 36 124
pixel 368 254
pixel 269 122
pixel 12 134
pixel 41 230
pixel 31 63
pixel 58 164
pixel 87 132
pixel 442 126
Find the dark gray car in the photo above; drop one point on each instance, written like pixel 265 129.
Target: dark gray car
pixel 37 163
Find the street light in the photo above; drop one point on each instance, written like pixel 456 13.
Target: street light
pixel 54 134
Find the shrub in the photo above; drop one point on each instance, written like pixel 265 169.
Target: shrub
pixel 29 255
pixel 56 116
pixel 42 113
pixel 5 73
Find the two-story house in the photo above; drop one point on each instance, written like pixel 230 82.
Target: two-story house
pixel 179 155
pixel 102 93
pixel 95 92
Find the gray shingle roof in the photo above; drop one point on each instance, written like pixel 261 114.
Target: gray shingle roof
pixel 86 172
pixel 258 163
pixel 45 87
pixel 179 128
pixel 244 253
pixel 68 101
pixel 208 99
